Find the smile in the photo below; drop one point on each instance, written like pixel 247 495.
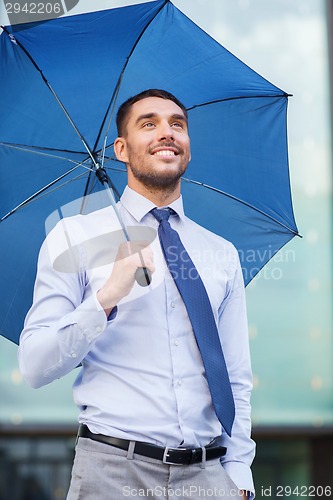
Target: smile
pixel 165 152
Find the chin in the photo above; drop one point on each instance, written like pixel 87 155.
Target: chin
pixel 165 175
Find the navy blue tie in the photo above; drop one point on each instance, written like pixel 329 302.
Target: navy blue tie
pixel 199 309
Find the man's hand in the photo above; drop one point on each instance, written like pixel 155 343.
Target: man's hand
pixel 130 256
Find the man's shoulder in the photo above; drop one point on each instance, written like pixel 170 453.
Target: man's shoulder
pixel 209 236
pixel 87 235
pixel 94 219
pixel 79 228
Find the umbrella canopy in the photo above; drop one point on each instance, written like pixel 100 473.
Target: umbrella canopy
pixel 61 83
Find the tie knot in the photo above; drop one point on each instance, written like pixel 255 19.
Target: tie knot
pixel 162 213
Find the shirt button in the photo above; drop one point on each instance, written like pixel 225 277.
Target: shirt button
pixel 98 329
pixel 73 355
pixel 173 305
pixel 177 342
pixel 179 383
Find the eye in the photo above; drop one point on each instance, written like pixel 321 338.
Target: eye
pixel 148 125
pixel 177 125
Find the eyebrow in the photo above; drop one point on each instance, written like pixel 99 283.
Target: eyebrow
pixel 147 116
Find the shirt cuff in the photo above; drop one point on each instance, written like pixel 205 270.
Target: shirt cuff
pixel 99 307
pixel 90 317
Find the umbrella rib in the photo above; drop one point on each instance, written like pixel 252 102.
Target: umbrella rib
pixel 34 196
pixel 27 149
pixel 121 170
pixel 225 194
pixel 42 194
pixel 41 148
pixel 18 43
pixel 198 183
pixel 114 97
pixel 283 94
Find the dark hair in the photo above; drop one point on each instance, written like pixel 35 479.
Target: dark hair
pixel 125 107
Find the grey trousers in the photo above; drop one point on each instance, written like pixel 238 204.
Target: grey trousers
pixel 102 472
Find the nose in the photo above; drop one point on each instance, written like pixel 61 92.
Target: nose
pixel 165 131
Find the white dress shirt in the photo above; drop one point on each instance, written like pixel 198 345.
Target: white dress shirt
pixel 142 376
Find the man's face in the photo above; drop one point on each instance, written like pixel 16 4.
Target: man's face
pixel 156 145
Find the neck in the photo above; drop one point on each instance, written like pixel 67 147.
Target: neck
pixel 160 197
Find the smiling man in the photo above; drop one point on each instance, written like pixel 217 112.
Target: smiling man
pixel 164 388
pixel 154 165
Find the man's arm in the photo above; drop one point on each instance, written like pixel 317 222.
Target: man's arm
pixel 67 317
pixel 233 330
pixel 61 324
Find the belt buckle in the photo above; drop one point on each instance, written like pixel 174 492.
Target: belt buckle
pixel 166 454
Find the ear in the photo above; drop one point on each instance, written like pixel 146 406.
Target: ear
pixel 120 149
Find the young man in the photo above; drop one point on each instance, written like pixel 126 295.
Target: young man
pixel 149 424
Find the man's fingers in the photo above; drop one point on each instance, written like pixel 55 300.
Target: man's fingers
pixel 146 258
pixel 138 252
pixel 129 248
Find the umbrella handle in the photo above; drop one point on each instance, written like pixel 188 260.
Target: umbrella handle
pixel 143 276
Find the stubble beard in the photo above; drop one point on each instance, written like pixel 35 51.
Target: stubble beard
pixel 155 181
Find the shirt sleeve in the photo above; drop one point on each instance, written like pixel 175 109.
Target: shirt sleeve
pixel 63 322
pixel 233 330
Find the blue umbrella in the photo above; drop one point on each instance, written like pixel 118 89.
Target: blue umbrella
pixel 61 83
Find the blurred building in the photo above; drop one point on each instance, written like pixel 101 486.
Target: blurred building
pixel 289 304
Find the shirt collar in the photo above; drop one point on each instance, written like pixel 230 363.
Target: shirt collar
pixel 139 206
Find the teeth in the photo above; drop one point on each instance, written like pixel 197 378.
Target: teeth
pixel 164 153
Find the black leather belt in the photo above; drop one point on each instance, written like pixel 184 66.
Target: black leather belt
pixel 171 456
